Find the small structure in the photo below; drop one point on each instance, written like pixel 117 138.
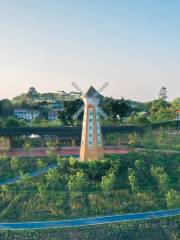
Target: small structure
pixel 91 141
pixel 44 97
pixel 32 92
pixel 68 97
pixel 53 115
pixel 61 96
pixel 57 105
pixel 25 114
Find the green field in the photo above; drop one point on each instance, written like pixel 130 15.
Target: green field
pixel 134 182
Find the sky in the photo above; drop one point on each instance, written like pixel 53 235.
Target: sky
pixel 132 44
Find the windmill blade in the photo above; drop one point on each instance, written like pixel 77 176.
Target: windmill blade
pixel 103 86
pixel 102 112
pixel 101 89
pixel 76 115
pixel 78 88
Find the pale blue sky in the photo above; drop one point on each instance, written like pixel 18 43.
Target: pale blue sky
pixel 133 44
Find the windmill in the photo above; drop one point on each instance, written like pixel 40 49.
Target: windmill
pixel 91 141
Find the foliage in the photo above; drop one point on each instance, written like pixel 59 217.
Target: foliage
pixel 108 181
pixel 133 180
pixel 78 182
pixel 118 184
pixel 163 93
pixel 173 198
pixel 13 122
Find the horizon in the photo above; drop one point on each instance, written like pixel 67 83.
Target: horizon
pixel 135 46
pixel 42 92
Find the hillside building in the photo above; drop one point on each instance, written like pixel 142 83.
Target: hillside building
pixel 25 114
pixel 53 115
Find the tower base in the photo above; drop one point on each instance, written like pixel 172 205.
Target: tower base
pixel 87 154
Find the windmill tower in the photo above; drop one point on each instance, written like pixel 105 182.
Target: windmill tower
pixel 91 141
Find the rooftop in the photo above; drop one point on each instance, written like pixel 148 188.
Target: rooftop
pixel 92 92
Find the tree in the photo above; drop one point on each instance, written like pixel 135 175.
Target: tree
pixel 12 122
pixel 133 139
pixel 32 92
pixel 69 109
pixel 78 182
pixel 162 137
pixel 160 110
pixel 27 147
pixel 4 144
pixel 51 149
pixel 53 176
pixel 6 108
pixel 15 163
pixel 1 123
pixel 176 103
pixel 95 169
pixel 133 180
pixel 120 108
pixel 41 164
pixel 108 182
pixel 163 93
pixel 172 198
pixel 161 177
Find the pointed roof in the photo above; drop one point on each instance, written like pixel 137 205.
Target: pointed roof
pixel 92 92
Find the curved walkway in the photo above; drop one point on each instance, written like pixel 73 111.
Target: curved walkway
pixel 89 221
pixel 32 174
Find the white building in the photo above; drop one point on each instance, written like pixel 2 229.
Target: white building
pixel 25 114
pixel 63 96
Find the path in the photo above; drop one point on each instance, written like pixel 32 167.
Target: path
pixel 90 221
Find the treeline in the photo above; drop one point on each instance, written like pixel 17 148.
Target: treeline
pixel 119 111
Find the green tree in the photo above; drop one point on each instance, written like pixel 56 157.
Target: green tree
pixel 94 169
pixel 27 148
pixel 163 93
pixel 41 164
pixel 12 122
pixel 108 182
pixel 6 108
pixel 161 177
pixel 16 163
pixel 133 181
pixel 120 108
pixel 53 176
pixel 1 123
pixel 78 182
pixel 176 103
pixel 69 109
pixel 173 199
pixel 133 139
